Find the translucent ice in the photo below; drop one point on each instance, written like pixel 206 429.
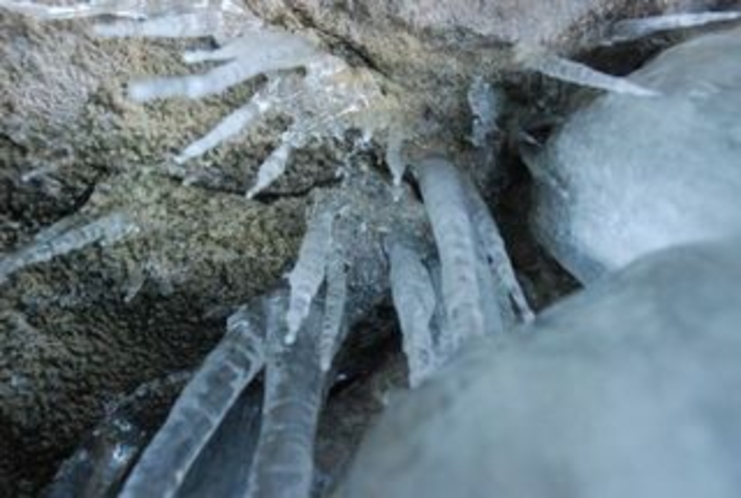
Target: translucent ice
pixel 627 176
pixel 626 389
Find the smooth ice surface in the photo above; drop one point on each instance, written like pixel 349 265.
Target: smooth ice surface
pixel 67 236
pixel 627 389
pixel 633 29
pixel 414 300
pixel 445 202
pixel 625 177
pixel 310 268
pixel 295 385
pixel 569 71
pixel 199 410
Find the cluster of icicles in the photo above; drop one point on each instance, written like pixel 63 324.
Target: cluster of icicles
pixel 445 293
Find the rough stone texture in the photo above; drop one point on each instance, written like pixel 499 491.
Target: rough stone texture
pixel 74 334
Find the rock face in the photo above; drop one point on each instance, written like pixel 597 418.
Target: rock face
pixel 623 390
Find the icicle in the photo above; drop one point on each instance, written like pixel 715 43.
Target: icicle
pixel 495 253
pixel 273 167
pixel 230 126
pixel 414 301
pixel 260 54
pixel 294 391
pixel 577 73
pixel 199 410
pixel 190 25
pixel 484 104
pixel 47 246
pixel 633 29
pixel 333 324
pixel 308 274
pixel 394 157
pixel 445 203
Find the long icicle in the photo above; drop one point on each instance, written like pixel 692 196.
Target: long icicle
pixel 445 202
pixel 199 411
pixel 294 392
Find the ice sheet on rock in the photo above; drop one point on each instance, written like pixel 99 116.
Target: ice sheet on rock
pixel 66 237
pixel 199 410
pixel 630 177
pixel 415 302
pixel 308 273
pixel 633 29
pixel 445 202
pixel 536 59
pixel 295 385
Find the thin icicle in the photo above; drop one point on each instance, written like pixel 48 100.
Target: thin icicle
pixel 445 203
pixel 294 391
pixel 47 246
pixel 414 301
pixel 230 126
pixel 199 410
pixel 190 25
pixel 633 29
pixel 485 106
pixel 273 167
pixel 578 73
pixel 333 323
pixel 394 157
pixel 494 250
pixel 308 273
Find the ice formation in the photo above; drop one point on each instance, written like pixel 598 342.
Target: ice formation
pixel 611 395
pixel 199 410
pixel 625 177
pixel 552 65
pixel 632 29
pixel 67 236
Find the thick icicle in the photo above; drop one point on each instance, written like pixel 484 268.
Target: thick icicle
pixel 414 301
pixel 495 252
pixel 574 72
pixel 294 392
pixel 633 29
pixel 308 273
pixel 334 323
pixel 445 202
pixel 199 410
pixel 57 242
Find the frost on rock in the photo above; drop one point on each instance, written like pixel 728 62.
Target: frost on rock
pixel 415 303
pixel 539 60
pixel 67 236
pixel 199 410
pixel 624 177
